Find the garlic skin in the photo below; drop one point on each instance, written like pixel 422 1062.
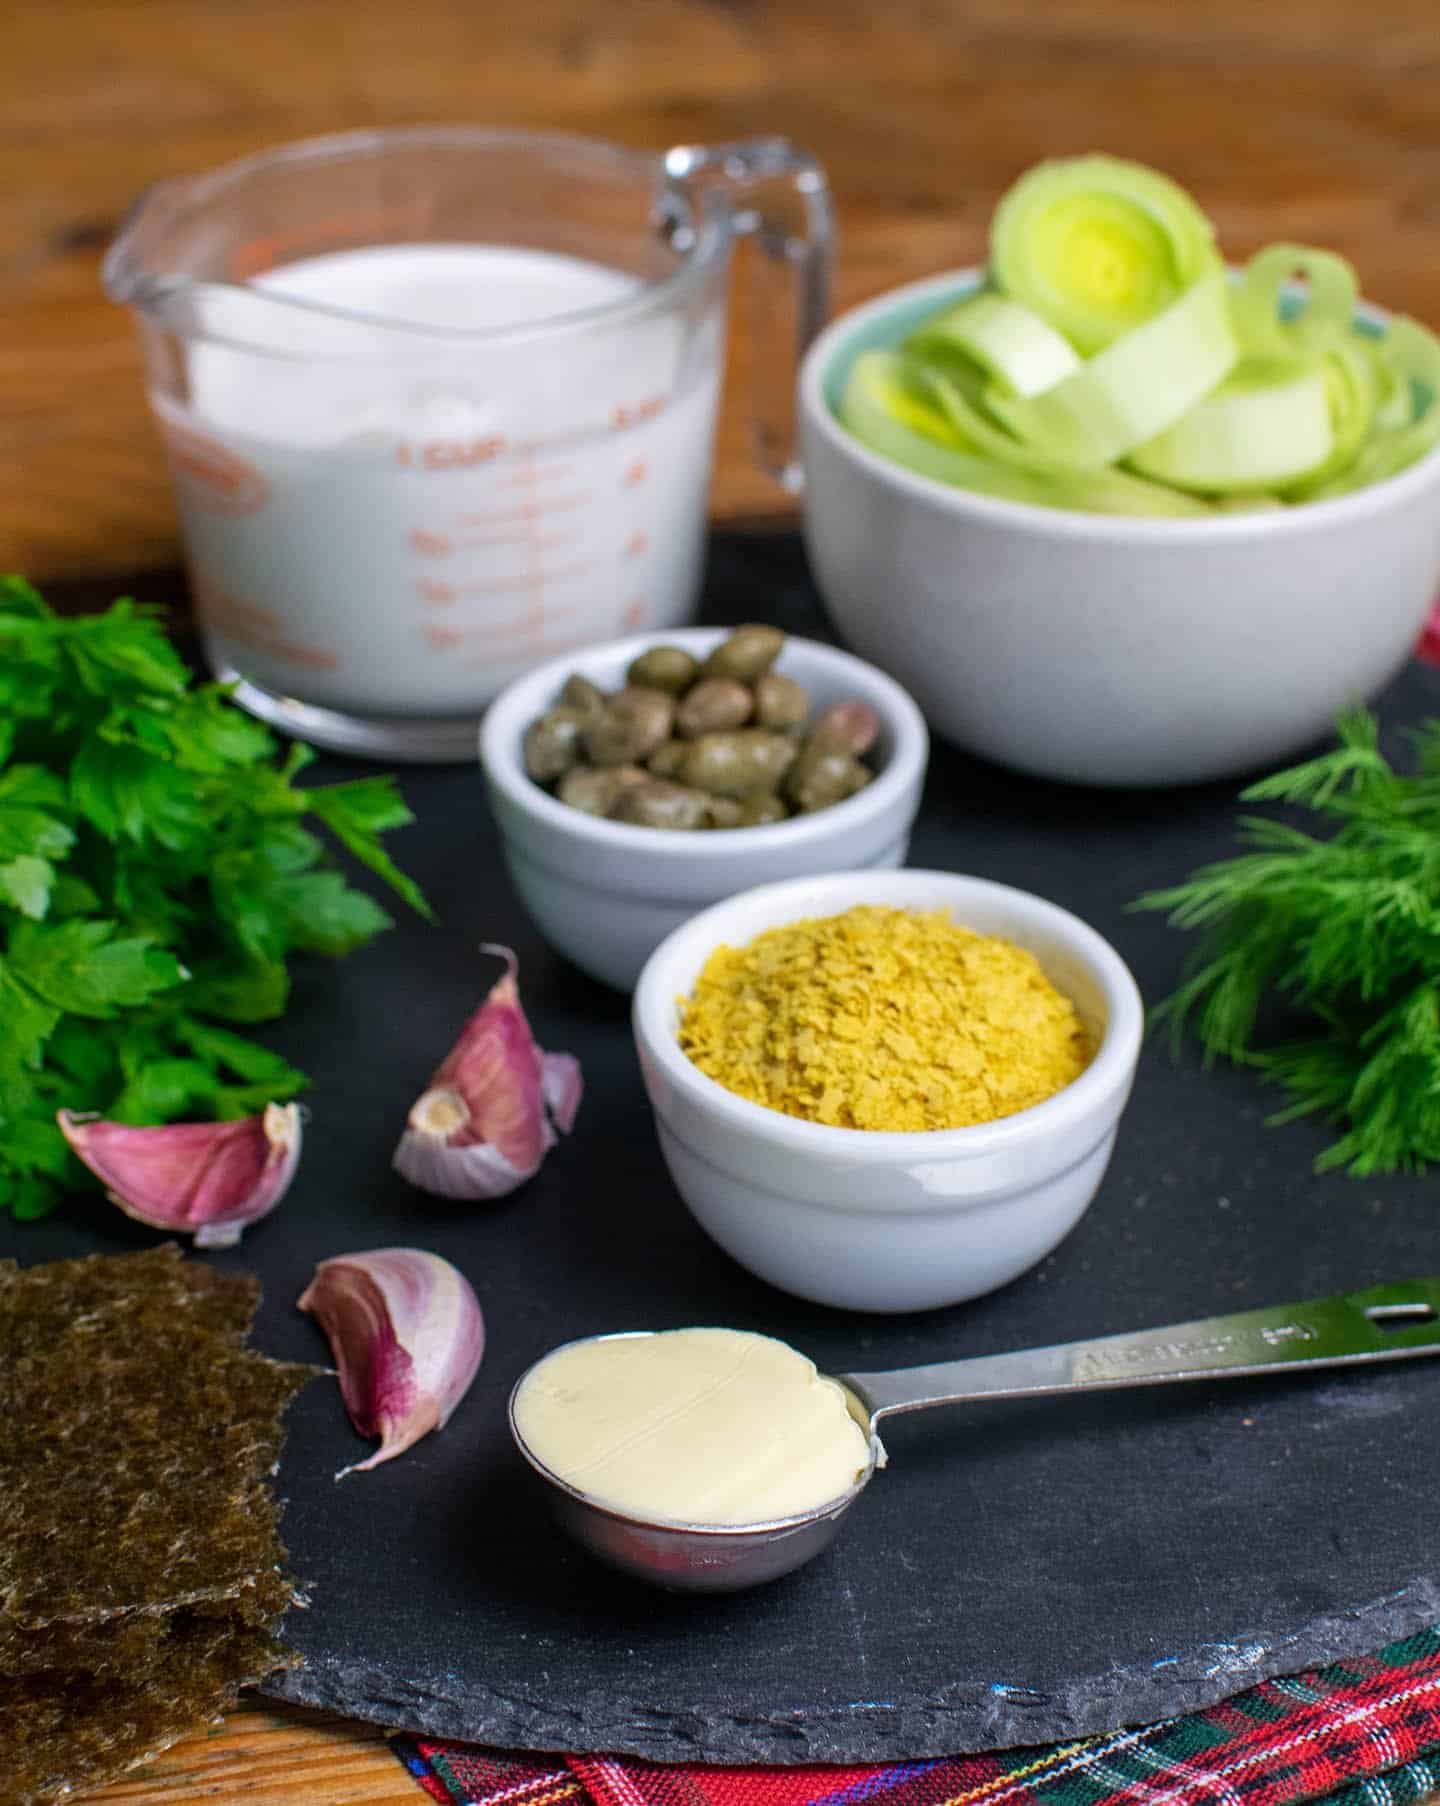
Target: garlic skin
pixel 206 1179
pixel 489 1115
pixel 407 1334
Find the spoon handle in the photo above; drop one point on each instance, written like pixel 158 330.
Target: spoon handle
pixel 1386 1323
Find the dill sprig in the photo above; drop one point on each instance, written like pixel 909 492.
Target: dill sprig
pixel 1337 932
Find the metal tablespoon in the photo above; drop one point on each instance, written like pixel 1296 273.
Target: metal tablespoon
pixel 1387 1323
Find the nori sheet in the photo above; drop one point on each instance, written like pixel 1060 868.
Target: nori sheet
pixel 140 1562
pixel 132 1477
pixel 65 1730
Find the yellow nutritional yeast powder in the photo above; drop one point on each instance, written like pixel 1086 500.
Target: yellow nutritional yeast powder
pixel 883 1019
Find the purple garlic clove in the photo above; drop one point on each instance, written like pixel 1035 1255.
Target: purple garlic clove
pixel 407 1335
pixel 206 1179
pixel 489 1115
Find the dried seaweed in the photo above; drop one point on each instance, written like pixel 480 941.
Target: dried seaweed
pixel 66 1730
pixel 133 1477
pixel 125 1644
pixel 140 1563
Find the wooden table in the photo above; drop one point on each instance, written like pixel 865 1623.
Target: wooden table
pixel 1316 120
pixel 1310 119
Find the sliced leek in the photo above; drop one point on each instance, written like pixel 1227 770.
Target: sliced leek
pixel 1006 341
pixel 1097 246
pixel 887 405
pixel 1268 424
pixel 891 414
pixel 1109 366
pixel 1355 384
pixel 981 433
pixel 1262 320
pixel 1413 357
pixel 1134 389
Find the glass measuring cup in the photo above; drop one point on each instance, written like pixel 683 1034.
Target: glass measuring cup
pixel 386 515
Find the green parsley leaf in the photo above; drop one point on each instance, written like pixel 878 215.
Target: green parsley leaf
pixel 357 814
pixel 125 648
pixel 32 803
pixel 29 1021
pixel 129 794
pixel 156 879
pixel 25 883
pixel 249 990
pixel 83 968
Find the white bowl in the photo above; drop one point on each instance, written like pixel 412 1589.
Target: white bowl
pixel 1103 649
pixel 607 893
pixel 889 1222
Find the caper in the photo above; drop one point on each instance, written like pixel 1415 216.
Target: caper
pixel 629 728
pixel 780 703
pixel 822 776
pixel 735 763
pixel 666 760
pixel 723 812
pixel 668 668
pixel 583 787
pixel 656 804
pixel 552 744
pixel 579 693
pixel 849 727
pixel 747 654
pixel 713 706
pixel 761 808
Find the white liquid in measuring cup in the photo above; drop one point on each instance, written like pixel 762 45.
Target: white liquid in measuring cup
pixel 402 528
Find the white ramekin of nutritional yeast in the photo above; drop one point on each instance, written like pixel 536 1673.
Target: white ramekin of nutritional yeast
pixel 880 1221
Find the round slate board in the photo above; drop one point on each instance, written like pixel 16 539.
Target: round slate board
pixel 1022 1572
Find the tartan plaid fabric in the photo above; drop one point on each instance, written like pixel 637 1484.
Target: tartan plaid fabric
pixel 1360 1733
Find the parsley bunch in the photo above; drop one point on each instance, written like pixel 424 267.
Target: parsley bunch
pixel 1342 933
pixel 155 877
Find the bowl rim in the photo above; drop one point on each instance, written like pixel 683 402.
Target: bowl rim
pixel 1085 1097
pixel 1063 523
pixel 507 716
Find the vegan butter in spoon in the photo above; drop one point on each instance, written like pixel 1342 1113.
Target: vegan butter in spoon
pixel 697 1426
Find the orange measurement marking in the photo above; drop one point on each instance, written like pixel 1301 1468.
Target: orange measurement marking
pixel 555 504
pixel 431 545
pixel 537 473
pixel 253 625
pixel 632 416
pixel 536 641
pixel 522 536
pixel 213 476
pixel 527 580
pixel 637 473
pixel 636 544
pixel 449 454
pixel 484 633
pixel 635 613
pixel 441 595
pixel 507 630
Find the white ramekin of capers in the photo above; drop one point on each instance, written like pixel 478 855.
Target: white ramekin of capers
pixel 816 768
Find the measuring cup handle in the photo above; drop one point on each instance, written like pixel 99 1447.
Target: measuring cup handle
pixel 1386 1323
pixel 780 199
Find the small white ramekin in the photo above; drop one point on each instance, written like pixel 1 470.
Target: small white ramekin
pixel 607 893
pixel 889 1222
